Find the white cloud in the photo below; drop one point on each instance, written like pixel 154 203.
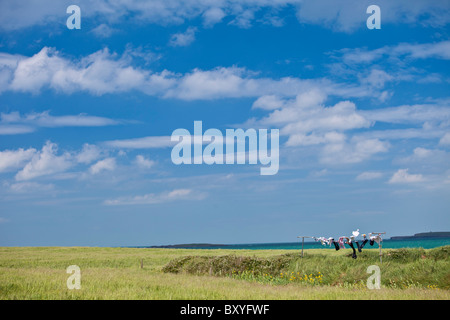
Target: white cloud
pixel 368 175
pixel 103 31
pixel 420 113
pixel 152 198
pixel 29 13
pixel 103 72
pixel 300 139
pixel 351 15
pixel 445 140
pixel 14 159
pixel 183 39
pixel 216 83
pixel 307 113
pixel 142 143
pixel 376 78
pixel 107 164
pixel 88 154
pixel 306 120
pixel 44 119
pixel 269 102
pixel 402 176
pixel 14 129
pixel 438 50
pixel 45 162
pixel 341 116
pixel 213 16
pixel 355 151
pixel 244 19
pixel 340 16
pixel 98 73
pixel 142 162
pixel 427 158
pixel 26 187
pixel 422 152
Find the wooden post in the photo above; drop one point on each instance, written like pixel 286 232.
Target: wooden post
pixel 380 245
pixel 303 241
pixel 142 263
pixel 381 260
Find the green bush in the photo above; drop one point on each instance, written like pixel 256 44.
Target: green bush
pixel 401 268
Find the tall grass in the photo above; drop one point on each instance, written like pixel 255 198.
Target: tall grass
pixel 115 273
pixel 401 268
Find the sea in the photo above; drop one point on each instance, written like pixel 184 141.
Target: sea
pixel 388 243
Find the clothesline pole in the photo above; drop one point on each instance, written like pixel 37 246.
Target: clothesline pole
pixel 381 255
pixel 303 241
pixel 380 245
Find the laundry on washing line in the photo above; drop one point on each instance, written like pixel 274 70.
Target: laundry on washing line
pixel 375 238
pixel 340 244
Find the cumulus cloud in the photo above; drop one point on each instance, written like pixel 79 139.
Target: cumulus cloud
pixel 354 151
pixel 163 12
pixel 376 78
pixel 143 162
pixel 107 164
pixel 402 176
pixel 268 102
pixel 445 140
pixel 433 118
pixel 307 113
pixel 45 162
pixel 213 16
pixel 340 16
pixel 88 154
pixel 14 159
pixel 103 72
pixel 368 175
pixel 103 31
pixel 306 121
pixel 183 39
pixel 348 16
pixel 154 198
pixel 99 73
pixel 426 158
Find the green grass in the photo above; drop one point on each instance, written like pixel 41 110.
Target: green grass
pixel 115 273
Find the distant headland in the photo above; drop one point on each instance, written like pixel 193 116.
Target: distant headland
pixel 424 235
pixel 192 245
pixel 418 236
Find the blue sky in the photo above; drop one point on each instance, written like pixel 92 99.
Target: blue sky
pixel 86 119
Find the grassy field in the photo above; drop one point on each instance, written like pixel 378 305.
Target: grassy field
pixel 115 273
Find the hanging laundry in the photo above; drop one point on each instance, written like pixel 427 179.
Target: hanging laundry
pixel 322 240
pixel 350 243
pixel 375 238
pixel 331 241
pixel 360 246
pixel 354 251
pixel 341 242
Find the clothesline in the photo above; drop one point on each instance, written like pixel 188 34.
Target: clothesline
pixel 340 244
